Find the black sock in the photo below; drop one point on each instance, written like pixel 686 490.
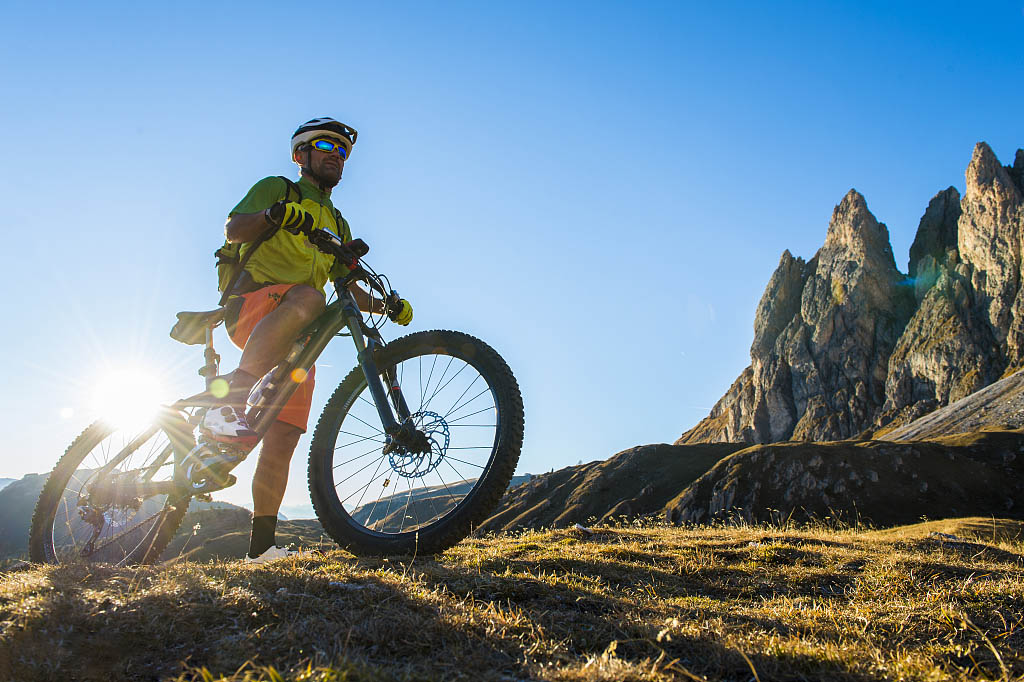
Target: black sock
pixel 239 388
pixel 264 529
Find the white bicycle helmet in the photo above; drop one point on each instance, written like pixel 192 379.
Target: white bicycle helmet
pixel 325 127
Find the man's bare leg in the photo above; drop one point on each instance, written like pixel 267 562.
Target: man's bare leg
pixel 266 346
pixel 271 476
pixel 269 482
pixel 274 334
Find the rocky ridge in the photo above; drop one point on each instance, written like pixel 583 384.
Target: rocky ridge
pixel 873 482
pixel 845 343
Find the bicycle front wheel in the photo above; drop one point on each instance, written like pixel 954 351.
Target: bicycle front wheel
pixel 94 507
pixel 465 400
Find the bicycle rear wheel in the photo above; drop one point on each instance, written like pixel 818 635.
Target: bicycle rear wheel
pixel 93 512
pixel 464 398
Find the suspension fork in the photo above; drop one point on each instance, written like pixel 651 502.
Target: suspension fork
pixel 364 350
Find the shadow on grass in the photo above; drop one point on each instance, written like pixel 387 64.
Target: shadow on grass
pixel 615 613
pixel 87 624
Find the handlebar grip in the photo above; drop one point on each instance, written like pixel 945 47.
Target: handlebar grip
pixel 393 304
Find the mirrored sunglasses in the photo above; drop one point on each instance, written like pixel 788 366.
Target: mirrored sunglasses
pixel 324 145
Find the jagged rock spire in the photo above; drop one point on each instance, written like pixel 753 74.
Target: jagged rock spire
pixel 845 343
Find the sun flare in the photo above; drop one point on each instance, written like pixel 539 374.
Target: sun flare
pixel 128 397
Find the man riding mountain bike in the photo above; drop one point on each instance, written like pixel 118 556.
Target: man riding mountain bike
pixel 277 293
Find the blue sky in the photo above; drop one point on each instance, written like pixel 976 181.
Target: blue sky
pixel 599 190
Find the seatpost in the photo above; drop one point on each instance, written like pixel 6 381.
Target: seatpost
pixel 212 357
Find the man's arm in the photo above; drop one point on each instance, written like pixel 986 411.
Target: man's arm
pixel 245 227
pixel 365 302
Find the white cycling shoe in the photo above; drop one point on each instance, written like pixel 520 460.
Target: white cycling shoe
pixel 273 554
pixel 224 425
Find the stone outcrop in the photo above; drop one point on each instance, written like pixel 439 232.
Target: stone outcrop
pixel 818 362
pixel 845 344
pixel 874 482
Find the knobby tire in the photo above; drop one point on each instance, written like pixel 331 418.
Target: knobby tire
pixel 59 486
pixel 477 504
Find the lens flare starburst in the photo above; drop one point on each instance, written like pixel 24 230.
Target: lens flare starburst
pixel 128 397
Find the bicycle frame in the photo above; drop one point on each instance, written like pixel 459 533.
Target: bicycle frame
pixel 311 342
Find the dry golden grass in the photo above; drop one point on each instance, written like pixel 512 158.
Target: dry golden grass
pixel 632 603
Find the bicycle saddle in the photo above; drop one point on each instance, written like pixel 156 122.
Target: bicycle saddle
pixel 191 327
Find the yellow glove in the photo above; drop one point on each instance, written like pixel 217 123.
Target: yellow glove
pixel 291 216
pixel 400 311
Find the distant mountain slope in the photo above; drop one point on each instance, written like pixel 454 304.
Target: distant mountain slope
pixel 635 482
pixel 999 405
pixel 4 482
pixel 18 502
pixel 428 501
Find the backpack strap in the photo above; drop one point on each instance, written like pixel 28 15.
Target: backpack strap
pixel 289 188
pixel 292 187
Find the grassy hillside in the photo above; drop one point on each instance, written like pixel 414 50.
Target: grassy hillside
pixel 640 603
pixel 633 483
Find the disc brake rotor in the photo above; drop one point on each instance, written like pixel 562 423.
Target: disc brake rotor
pixel 417 464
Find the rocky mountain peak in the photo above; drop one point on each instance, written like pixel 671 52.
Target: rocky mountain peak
pixel 991 241
pixel 779 303
pixel 845 344
pixel 855 234
pixel 986 175
pixel 937 231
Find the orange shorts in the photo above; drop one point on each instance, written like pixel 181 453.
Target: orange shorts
pixel 257 305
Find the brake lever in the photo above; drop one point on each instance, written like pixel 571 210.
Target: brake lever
pixel 393 304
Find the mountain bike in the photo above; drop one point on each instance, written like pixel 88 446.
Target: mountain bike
pixel 414 448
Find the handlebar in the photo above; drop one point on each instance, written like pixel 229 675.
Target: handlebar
pixel 349 253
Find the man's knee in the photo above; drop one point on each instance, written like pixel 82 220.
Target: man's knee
pixel 305 300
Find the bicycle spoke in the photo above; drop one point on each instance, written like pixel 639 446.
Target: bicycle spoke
pixel 372 479
pixel 405 512
pixel 470 415
pixel 457 472
pixel 383 473
pixel 370 515
pixel 379 432
pixel 455 502
pixel 387 512
pixel 356 473
pixel 423 388
pixel 356 442
pixel 430 501
pixel 456 409
pixel 368 452
pixel 441 388
pixel 423 405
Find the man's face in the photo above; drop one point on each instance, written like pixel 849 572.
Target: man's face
pixel 326 166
